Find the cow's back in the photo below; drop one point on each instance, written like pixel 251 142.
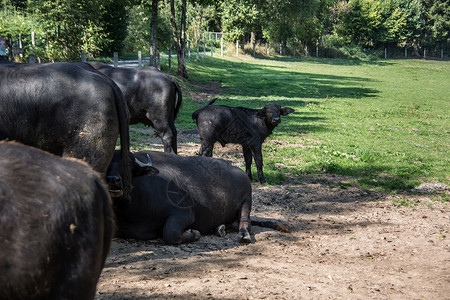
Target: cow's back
pixel 56 224
pixel 60 108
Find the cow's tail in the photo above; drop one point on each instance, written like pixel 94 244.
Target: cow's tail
pixel 195 113
pixel 179 100
pixel 124 118
pixel 272 225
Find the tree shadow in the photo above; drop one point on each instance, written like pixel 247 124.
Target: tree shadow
pixel 265 81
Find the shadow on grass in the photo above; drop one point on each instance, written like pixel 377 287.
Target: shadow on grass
pixel 265 81
pixel 328 61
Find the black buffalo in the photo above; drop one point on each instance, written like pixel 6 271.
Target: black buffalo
pixel 245 126
pixel 56 225
pixel 189 196
pixel 151 96
pixel 66 111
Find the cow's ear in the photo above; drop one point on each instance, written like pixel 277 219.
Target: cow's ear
pixel 286 110
pixel 141 169
pixel 147 170
pixel 261 113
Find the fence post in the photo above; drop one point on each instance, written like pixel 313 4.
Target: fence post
pixel 281 49
pixel 33 40
pixel 442 52
pixel 158 59
pixel 293 47
pixel 237 48
pixel 268 48
pixel 306 50
pixel 385 53
pixel 170 57
pixel 198 48
pixel 212 45
pixel 116 59
pixel 221 46
pixel 424 53
pixel 139 59
pixel 32 58
pixel 204 48
pixel 189 51
pixel 317 49
pixel 83 56
pixel 9 46
pixel 254 49
pixel 406 52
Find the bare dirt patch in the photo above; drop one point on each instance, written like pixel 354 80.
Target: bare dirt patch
pixel 346 243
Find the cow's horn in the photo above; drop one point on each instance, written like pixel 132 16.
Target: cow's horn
pixel 141 164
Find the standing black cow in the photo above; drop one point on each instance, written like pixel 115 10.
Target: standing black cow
pixel 189 196
pixel 245 126
pixel 56 225
pixel 66 111
pixel 151 96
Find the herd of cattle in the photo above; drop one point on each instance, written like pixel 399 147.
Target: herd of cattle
pixel 59 170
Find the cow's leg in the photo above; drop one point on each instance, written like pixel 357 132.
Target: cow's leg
pixel 163 130
pixel 248 160
pixel 174 232
pixel 206 149
pixel 257 154
pixel 244 220
pixel 174 137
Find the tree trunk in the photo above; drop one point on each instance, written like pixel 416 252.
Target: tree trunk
pixel 154 33
pixel 180 41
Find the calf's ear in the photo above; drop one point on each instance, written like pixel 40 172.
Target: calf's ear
pixel 286 110
pixel 261 113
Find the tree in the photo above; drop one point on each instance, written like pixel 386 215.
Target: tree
pixel 179 38
pixel 154 33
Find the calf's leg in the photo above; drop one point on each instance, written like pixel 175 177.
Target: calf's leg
pixel 248 161
pixel 257 154
pixel 174 232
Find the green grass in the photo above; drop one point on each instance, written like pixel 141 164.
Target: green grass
pixel 386 122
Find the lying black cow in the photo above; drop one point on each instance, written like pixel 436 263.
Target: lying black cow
pixel 56 225
pixel 189 196
pixel 151 96
pixel 66 111
pixel 245 126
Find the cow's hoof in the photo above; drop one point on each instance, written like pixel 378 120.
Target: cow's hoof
pixel 195 233
pixel 244 237
pixel 221 231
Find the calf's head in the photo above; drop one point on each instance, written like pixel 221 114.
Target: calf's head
pixel 138 168
pixel 272 113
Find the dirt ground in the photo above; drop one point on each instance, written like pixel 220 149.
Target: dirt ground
pixel 346 243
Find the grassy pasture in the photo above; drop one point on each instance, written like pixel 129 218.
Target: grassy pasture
pixel 386 123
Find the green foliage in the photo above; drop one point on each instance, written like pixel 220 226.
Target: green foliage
pixel 239 17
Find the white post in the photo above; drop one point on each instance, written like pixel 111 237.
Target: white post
pixel 116 59
pixel 198 47
pixel 306 51
pixel 237 48
pixel 189 51
pixel 268 48
pixel 83 57
pixel 204 48
pixel 33 42
pixel 221 46
pixel 212 46
pixel 424 52
pixel 139 59
pixel 170 57
pixel 32 58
